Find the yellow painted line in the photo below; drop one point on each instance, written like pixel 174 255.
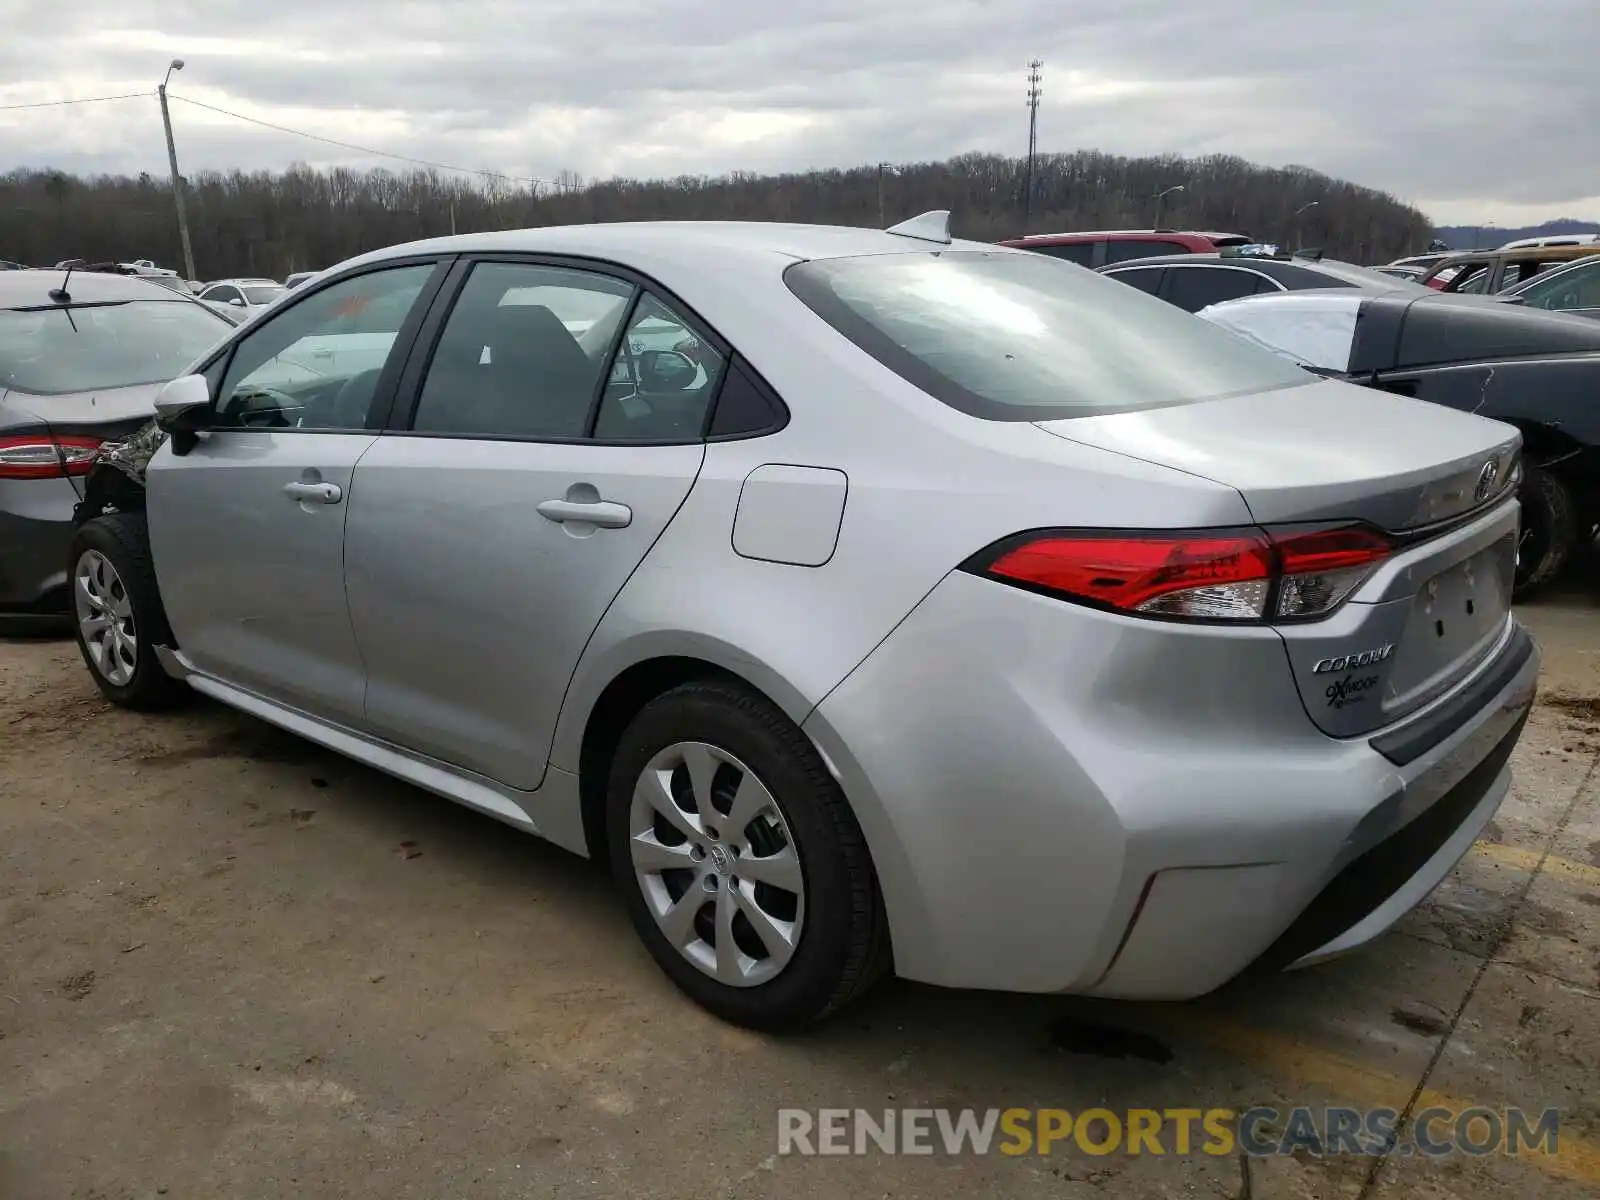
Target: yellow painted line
pixel 1528 860
pixel 1358 1084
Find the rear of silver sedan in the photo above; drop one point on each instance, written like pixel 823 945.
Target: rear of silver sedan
pixel 1141 760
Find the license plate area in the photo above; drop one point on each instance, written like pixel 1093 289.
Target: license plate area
pixel 1456 617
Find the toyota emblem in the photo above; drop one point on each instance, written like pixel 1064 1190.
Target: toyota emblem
pixel 1486 480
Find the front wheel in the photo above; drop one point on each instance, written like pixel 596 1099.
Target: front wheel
pixel 117 614
pixel 745 872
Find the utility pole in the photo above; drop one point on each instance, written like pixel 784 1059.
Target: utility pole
pixel 1033 140
pixel 1161 196
pixel 177 180
pixel 880 195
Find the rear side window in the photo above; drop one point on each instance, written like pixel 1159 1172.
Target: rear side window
pixel 1123 251
pixel 1081 253
pixel 1192 288
pixel 1146 279
pixel 1017 337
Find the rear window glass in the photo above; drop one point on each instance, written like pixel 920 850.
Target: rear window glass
pixel 59 350
pixel 1022 337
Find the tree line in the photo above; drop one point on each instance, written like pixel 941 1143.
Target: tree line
pixel 269 224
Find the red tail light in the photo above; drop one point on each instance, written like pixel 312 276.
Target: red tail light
pixel 36 456
pixel 1201 575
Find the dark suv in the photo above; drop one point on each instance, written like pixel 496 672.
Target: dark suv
pixel 1103 247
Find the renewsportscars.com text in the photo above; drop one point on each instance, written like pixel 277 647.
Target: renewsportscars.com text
pixel 1434 1132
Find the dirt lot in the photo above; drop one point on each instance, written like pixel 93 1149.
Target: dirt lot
pixel 233 965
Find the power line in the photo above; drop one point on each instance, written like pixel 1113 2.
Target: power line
pixel 79 100
pixel 368 150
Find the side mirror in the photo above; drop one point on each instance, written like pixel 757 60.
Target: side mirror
pixel 183 409
pixel 666 371
pixel 1512 299
pixel 236 302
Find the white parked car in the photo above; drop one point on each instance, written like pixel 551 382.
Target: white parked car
pixel 250 295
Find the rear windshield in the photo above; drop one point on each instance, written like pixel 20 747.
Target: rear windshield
pixel 1021 337
pixel 79 349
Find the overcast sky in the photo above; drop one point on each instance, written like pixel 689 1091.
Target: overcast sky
pixel 1475 110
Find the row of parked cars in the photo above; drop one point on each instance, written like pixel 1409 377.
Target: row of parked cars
pixel 1498 332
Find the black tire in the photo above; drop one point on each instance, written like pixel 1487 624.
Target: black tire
pixel 123 540
pixel 843 947
pixel 1549 531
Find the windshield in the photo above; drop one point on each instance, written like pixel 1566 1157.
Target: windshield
pixel 1578 281
pixel 262 295
pixel 79 349
pixel 1023 337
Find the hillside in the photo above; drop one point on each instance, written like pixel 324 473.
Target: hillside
pixel 270 224
pixel 1472 237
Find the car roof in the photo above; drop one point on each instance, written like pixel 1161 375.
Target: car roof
pixel 243 279
pixel 1141 234
pixel 682 245
pixel 31 288
pixel 1520 254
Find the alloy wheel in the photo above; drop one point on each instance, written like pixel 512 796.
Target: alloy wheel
pixel 105 618
pixel 715 862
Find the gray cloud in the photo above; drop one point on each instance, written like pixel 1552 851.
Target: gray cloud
pixel 1467 105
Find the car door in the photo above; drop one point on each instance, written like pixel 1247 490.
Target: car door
pixel 247 527
pixel 555 428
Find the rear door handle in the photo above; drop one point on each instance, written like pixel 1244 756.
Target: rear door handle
pixel 607 514
pixel 314 493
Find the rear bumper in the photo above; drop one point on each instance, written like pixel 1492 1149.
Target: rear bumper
pixel 1058 799
pixel 35 532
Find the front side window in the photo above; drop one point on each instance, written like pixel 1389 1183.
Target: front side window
pixel 223 295
pixel 85 347
pixel 315 364
pixel 1016 337
pixel 523 353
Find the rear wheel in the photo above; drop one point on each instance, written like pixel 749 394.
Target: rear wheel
pixel 117 614
pixel 1549 531
pixel 744 870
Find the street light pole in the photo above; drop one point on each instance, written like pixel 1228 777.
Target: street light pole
pixel 177 180
pixel 1160 196
pixel 1295 220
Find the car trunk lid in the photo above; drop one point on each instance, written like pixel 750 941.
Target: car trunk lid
pixel 1438 481
pixel 104 414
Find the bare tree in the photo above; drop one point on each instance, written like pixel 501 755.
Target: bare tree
pixel 273 223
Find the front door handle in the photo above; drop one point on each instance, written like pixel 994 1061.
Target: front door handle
pixel 607 514
pixel 314 493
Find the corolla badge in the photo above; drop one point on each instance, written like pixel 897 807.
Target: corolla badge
pixel 1486 480
pixel 1351 662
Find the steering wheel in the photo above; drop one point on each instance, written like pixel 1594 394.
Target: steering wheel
pixel 350 404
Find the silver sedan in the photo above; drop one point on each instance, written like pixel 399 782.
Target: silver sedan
pixel 870 600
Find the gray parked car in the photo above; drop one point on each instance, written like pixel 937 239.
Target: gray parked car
pixel 81 361
pixel 865 598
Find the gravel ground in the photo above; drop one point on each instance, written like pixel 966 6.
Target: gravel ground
pixel 235 965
